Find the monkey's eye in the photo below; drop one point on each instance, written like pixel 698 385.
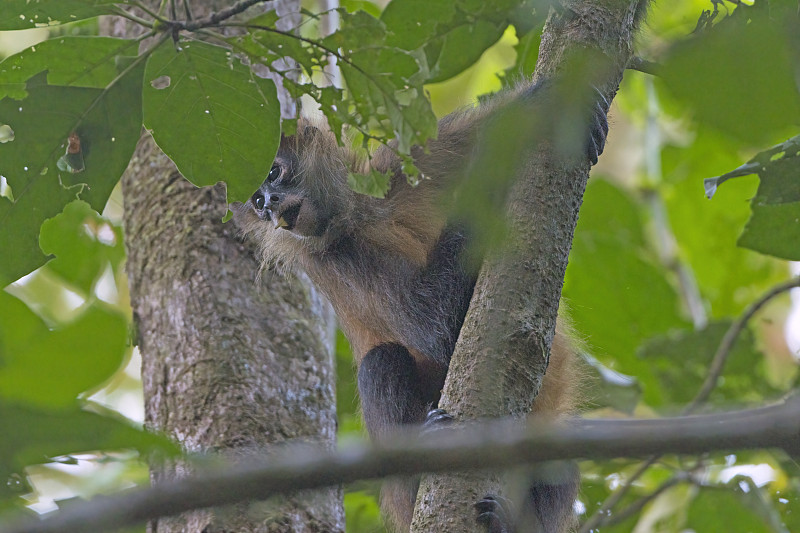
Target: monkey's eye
pixel 258 200
pixel 274 173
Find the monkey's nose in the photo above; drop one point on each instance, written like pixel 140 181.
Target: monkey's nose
pixel 274 200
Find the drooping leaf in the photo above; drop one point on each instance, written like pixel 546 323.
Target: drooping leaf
pixel 49 368
pixel 212 116
pixel 21 14
pixel 30 435
pixel 774 227
pixel 107 123
pixel 83 243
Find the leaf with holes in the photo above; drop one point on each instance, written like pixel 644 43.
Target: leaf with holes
pixel 106 122
pixel 212 116
pixel 21 14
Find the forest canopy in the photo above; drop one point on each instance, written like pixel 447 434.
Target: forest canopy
pixel 689 220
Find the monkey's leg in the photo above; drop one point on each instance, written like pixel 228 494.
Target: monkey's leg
pixel 392 397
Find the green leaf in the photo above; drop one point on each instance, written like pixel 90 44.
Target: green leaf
pixel 452 35
pixel 72 61
pixel 738 77
pixel 31 436
pixel 373 184
pixel 107 123
pixel 612 283
pixel 51 367
pixel 681 360
pixel 716 509
pixel 728 277
pixel 774 227
pixel 84 244
pixel 21 14
pixel 212 116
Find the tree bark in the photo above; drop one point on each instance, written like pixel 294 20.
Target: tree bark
pixel 231 362
pixel 503 350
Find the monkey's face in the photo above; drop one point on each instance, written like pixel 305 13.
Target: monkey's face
pixel 282 202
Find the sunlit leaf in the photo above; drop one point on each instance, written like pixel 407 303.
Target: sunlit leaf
pixel 84 244
pixel 51 367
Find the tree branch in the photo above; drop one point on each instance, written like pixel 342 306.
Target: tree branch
pixel 498 444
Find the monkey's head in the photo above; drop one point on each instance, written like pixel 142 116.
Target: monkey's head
pixel 304 202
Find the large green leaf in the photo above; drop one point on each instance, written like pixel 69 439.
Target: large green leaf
pixel 73 61
pixel 706 230
pixel 108 124
pixel 212 116
pixel 21 14
pixel 616 294
pixel 51 367
pixel 738 76
pixel 84 244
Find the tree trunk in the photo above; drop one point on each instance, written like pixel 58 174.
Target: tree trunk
pixel 231 363
pixel 503 350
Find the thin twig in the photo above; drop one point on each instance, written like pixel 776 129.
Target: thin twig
pixel 639 504
pixel 725 346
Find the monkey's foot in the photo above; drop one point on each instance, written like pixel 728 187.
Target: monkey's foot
pixel 495 512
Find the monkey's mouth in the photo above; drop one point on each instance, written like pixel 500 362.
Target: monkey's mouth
pixel 286 216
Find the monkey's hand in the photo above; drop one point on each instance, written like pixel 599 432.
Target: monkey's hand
pixel 436 419
pixel 598 127
pixel 495 512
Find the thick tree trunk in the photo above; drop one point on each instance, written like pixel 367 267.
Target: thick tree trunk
pixel 504 347
pixel 231 363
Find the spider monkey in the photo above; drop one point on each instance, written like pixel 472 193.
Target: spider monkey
pixel 395 271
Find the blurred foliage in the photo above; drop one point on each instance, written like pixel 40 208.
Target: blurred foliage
pixel 648 242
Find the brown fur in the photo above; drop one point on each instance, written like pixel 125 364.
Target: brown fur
pixel 391 267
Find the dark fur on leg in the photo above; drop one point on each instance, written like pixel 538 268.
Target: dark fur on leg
pixel 392 396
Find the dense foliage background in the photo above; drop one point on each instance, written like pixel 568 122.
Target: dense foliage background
pixel 657 273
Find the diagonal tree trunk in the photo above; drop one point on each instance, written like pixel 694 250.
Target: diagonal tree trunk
pixel 503 350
